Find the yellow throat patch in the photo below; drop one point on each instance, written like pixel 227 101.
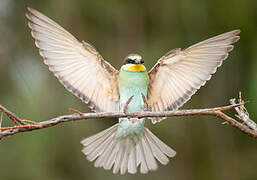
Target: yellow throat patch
pixel 134 67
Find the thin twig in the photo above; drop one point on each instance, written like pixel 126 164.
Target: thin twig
pixel 241 127
pixel 243 115
pixel 217 112
pixel 76 111
pixel 12 116
pixel 21 127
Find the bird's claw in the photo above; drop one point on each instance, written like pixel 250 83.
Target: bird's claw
pixel 125 108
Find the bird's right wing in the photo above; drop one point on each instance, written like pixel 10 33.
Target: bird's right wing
pixel 78 66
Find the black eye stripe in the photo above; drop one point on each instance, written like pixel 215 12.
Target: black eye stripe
pixel 131 61
pixel 128 61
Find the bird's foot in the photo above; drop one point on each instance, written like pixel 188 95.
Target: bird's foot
pixel 125 108
pixel 146 106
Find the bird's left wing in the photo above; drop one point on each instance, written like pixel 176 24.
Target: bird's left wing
pixel 179 74
pixel 78 66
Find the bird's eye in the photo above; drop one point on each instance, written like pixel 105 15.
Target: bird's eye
pixel 142 62
pixel 130 61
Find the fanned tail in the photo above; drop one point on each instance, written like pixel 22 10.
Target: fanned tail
pixel 127 153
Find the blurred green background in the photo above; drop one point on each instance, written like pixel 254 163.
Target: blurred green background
pixel 206 149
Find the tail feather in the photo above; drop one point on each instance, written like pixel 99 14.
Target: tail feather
pixel 93 138
pixel 124 163
pixel 163 147
pixel 117 161
pixel 150 160
pixel 127 153
pixel 93 154
pixel 158 154
pixel 141 158
pixel 106 154
pixel 94 145
pixel 105 149
pixel 132 166
pixel 111 160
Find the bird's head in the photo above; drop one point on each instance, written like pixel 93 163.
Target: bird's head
pixel 133 63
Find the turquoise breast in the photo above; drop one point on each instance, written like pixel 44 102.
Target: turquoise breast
pixel 133 84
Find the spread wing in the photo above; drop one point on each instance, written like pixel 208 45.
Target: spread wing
pixel 179 74
pixel 78 66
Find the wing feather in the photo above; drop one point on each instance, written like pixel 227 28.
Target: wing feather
pixel 179 74
pixel 78 66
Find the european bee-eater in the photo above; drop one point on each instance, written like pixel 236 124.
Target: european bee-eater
pixel 167 86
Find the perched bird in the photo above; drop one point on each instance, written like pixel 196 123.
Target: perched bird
pixel 167 86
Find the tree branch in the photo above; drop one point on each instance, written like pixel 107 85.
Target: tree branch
pixel 243 126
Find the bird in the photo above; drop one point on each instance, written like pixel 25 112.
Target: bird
pixel 127 146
